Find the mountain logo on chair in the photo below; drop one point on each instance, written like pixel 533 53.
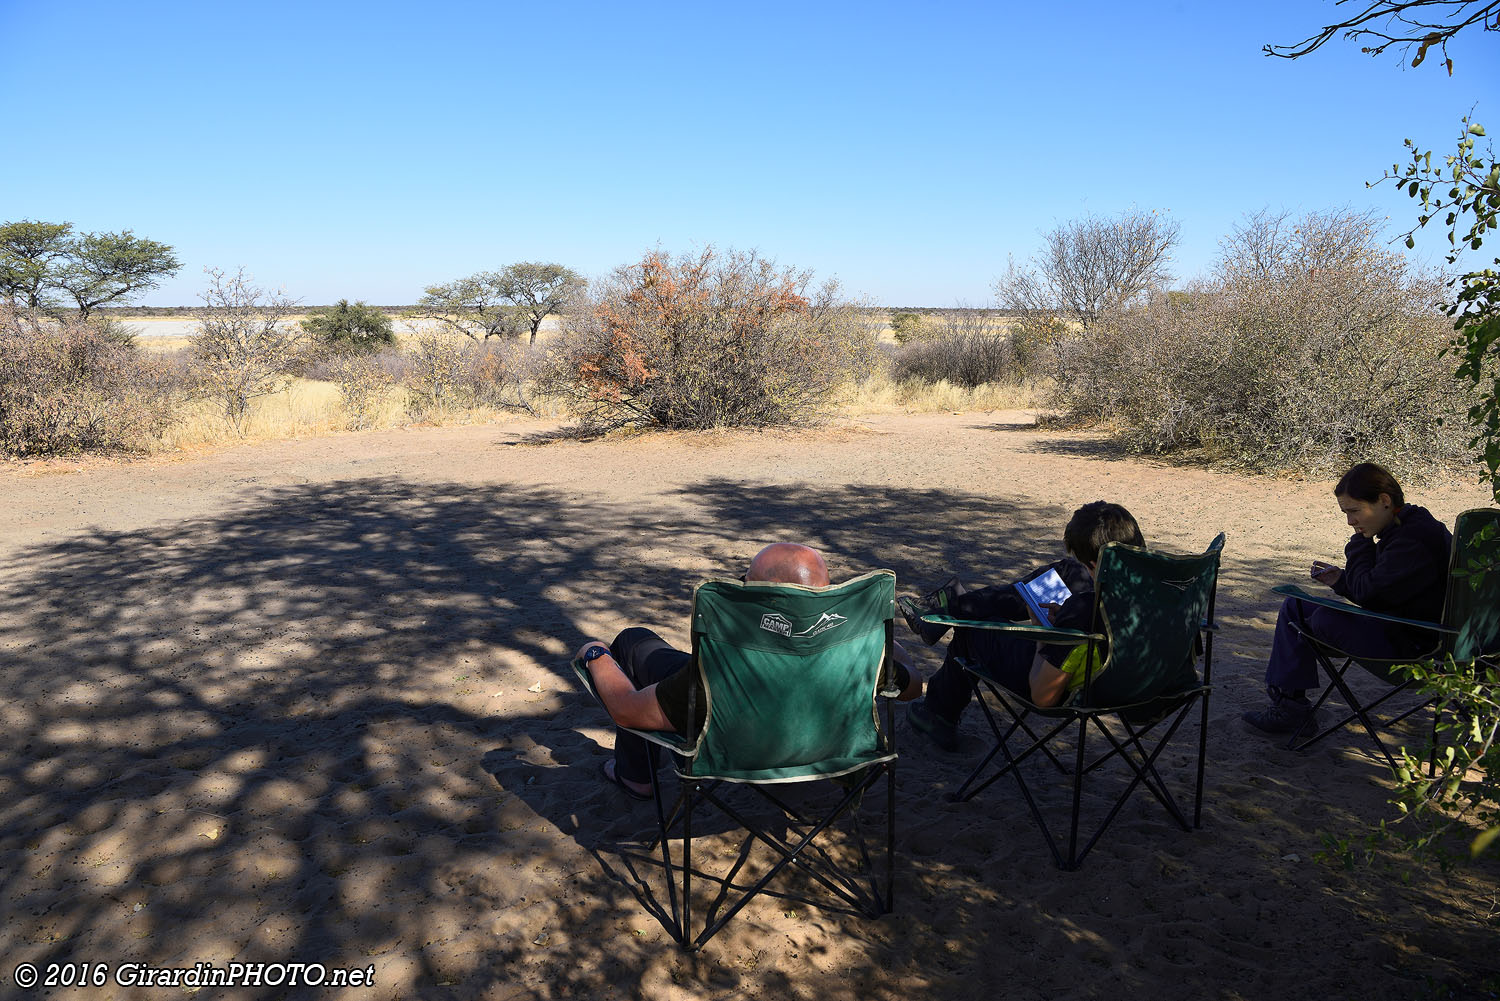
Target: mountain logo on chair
pixel 775 622
pixel 826 621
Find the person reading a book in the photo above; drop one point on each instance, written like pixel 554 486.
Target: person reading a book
pixel 1043 673
pixel 646 684
pixel 1396 562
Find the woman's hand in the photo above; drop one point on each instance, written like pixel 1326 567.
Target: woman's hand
pixel 1326 573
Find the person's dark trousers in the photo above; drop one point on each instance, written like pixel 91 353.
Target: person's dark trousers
pixel 1007 657
pixel 1293 667
pixel 645 658
pixel 1002 602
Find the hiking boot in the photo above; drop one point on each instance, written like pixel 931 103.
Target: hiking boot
pixel 933 602
pixel 932 726
pixel 1285 715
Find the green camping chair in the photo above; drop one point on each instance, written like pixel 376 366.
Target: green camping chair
pixel 1156 611
pixel 789 675
pixel 1469 632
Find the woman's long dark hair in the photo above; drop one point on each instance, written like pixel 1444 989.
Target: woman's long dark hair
pixel 1367 481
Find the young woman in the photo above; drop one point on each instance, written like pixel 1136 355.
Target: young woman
pixel 1396 563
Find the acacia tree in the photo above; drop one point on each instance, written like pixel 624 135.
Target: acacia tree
pixel 537 289
pixel 245 345
pixel 37 258
pixel 103 267
pixel 31 253
pixel 474 306
pixel 500 303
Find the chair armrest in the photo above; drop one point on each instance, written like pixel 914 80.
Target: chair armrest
pixel 1043 634
pixel 669 739
pixel 1293 591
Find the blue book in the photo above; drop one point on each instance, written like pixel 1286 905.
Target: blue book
pixel 1045 589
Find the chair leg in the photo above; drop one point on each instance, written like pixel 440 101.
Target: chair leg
pixel 679 925
pixel 1357 710
pixel 1202 757
pixel 890 837
pixel 687 869
pixel 1078 776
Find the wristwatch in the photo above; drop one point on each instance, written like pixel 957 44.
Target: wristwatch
pixel 593 653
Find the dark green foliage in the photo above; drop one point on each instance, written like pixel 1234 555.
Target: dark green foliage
pixel 30 255
pixel 40 259
pixel 355 327
pixel 506 303
pixel 906 326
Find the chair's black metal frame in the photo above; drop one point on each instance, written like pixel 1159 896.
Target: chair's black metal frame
pixel 870 900
pixel 800 851
pixel 1460 634
pixel 1138 721
pixel 1382 669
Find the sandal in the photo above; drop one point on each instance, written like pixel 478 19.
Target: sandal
pixel 614 779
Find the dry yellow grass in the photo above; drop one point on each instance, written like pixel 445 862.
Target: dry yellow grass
pixel 880 394
pixel 309 407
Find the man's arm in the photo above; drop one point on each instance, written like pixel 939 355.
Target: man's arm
pixel 627 705
pixel 1049 685
pixel 913 679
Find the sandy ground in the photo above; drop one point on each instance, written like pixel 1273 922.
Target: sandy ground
pixel 308 702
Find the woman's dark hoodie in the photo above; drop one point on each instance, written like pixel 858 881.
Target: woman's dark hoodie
pixel 1404 572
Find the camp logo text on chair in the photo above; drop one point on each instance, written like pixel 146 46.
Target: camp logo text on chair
pixel 775 622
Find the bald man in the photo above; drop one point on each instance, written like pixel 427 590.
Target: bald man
pixel 645 685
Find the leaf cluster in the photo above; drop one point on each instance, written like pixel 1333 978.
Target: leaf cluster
pixel 40 261
pixel 352 327
pixel 505 303
pixel 1463 189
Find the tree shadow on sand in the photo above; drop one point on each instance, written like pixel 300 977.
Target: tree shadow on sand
pixel 307 731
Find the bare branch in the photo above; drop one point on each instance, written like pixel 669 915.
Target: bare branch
pixel 1420 23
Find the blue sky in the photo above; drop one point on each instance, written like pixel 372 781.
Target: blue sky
pixel 367 150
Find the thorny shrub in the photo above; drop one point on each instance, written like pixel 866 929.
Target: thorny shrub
pixel 444 371
pixel 969 348
pixel 712 340
pixel 364 383
pixel 1310 347
pixel 75 387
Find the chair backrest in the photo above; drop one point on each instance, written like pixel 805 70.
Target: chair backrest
pixel 1473 601
pixel 790 675
pixel 1152 606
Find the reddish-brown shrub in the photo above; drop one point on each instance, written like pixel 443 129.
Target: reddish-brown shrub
pixel 712 340
pixel 75 387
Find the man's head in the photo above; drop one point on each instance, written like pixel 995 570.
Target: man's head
pixel 789 563
pixel 1095 525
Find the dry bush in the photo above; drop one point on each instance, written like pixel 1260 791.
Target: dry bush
pixel 1312 346
pixel 969 348
pixel 246 345
pixel 445 372
pixel 712 340
pixel 364 387
pixel 75 387
pixel 436 382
